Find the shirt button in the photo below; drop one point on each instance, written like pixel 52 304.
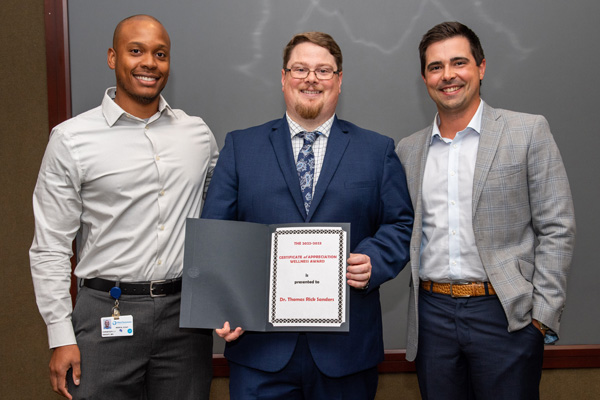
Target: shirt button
pixel 162 192
pixel 453 202
pixel 452 173
pixel 162 227
pixel 157 157
pixel 159 262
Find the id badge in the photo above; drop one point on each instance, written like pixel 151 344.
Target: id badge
pixel 111 327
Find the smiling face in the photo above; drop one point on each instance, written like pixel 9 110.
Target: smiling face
pixel 453 77
pixel 140 57
pixel 310 101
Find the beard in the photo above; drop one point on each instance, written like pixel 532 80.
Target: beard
pixel 143 99
pixel 311 111
pixel 137 97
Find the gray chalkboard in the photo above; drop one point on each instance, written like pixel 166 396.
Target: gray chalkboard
pixel 226 61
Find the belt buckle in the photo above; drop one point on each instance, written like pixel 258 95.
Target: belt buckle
pixel 458 284
pixel 152 283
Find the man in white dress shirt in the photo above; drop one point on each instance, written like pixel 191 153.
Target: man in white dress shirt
pixel 123 177
pixel 493 236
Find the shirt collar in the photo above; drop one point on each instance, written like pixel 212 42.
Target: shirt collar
pixel 295 128
pixel 474 124
pixel 112 112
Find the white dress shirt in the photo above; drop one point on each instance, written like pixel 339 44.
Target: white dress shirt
pixel 448 248
pixel 126 185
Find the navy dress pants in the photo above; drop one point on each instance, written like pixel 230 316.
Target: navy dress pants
pixel 466 352
pixel 300 379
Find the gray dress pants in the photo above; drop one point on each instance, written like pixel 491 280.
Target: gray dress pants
pixel 160 360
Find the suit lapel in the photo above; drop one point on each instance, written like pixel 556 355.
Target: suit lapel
pixel 282 146
pixel 416 186
pixel 421 160
pixel 336 146
pixel 491 131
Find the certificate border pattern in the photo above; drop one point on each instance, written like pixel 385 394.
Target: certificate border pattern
pixel 341 280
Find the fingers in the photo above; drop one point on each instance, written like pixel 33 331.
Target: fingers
pixel 359 270
pixel 224 331
pixel 59 385
pixel 76 373
pixel 234 334
pixel 356 259
pixel 228 334
pixel 62 359
pixel 358 283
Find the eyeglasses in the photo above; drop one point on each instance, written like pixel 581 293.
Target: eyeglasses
pixel 322 73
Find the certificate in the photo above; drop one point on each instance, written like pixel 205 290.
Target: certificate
pixel 284 277
pixel 307 285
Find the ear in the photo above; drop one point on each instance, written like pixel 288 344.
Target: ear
pixel 111 58
pixel 340 76
pixel 282 79
pixel 482 69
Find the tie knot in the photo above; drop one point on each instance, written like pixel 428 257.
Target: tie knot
pixel 309 137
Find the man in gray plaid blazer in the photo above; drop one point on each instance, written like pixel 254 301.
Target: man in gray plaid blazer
pixel 493 234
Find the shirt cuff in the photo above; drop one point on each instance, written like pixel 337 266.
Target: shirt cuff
pixel 61 334
pixel 550 337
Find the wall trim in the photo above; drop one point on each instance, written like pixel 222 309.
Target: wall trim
pixel 58 69
pixel 555 357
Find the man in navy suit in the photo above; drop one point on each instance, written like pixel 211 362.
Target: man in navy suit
pixel 355 177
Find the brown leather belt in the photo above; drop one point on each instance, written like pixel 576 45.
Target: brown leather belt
pixel 471 289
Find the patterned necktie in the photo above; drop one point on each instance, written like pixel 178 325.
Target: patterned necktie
pixel 306 166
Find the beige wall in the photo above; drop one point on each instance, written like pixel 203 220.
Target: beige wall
pixel 23 136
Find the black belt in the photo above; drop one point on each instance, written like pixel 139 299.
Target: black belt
pixel 152 288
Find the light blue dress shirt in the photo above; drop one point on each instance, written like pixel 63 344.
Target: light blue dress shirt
pixel 448 248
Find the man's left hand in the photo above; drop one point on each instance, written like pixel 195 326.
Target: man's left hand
pixel 359 270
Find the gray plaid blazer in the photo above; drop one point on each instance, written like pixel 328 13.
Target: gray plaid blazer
pixel 523 217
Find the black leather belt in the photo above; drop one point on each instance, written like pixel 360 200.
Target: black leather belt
pixel 152 288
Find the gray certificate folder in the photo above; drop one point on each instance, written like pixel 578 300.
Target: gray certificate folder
pixel 226 272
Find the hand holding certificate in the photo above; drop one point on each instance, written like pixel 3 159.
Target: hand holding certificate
pixel 265 277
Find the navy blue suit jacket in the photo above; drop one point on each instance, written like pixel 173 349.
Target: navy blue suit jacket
pixel 361 182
